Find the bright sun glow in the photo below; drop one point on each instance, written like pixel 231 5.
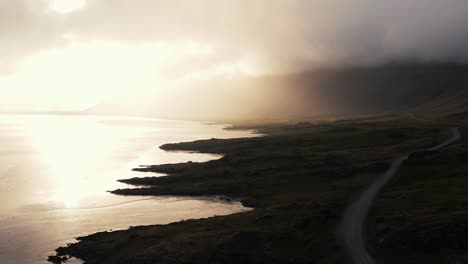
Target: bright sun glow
pixel 84 74
pixel 66 6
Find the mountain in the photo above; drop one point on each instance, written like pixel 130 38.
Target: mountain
pixel 425 87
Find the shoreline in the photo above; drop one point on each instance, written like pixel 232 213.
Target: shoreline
pixel 289 177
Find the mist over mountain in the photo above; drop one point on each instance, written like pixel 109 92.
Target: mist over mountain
pixel 325 92
pixel 206 59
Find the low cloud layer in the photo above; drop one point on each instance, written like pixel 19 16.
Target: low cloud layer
pixel 273 34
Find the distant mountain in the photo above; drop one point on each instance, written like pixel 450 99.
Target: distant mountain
pixel 324 92
pixel 451 104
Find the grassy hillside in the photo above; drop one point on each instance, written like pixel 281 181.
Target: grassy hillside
pixel 299 179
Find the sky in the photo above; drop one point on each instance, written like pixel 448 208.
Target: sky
pixel 71 55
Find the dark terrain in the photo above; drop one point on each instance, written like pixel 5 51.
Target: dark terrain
pixel 422 216
pixel 300 178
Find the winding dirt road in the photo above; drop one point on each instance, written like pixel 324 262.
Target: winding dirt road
pixel 351 231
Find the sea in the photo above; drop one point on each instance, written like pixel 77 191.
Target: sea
pixel 56 171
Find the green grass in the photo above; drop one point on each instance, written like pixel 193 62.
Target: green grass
pixel 422 216
pixel 299 178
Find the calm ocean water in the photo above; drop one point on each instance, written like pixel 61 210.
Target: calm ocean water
pixel 55 172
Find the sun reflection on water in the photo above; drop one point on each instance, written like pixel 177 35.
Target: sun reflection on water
pixel 73 152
